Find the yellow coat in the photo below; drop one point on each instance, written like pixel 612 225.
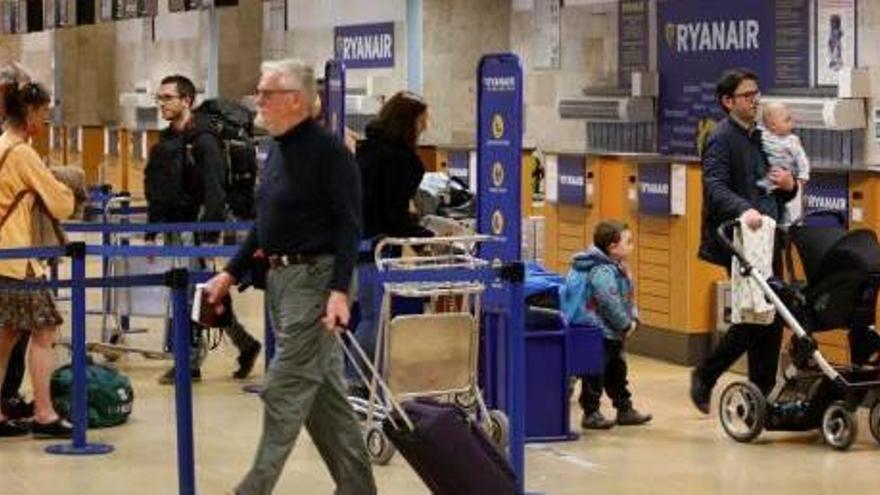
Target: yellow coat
pixel 23 170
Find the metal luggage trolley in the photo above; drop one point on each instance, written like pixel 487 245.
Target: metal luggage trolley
pixel 435 354
pixel 118 305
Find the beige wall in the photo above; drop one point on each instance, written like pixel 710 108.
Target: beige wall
pixel 588 34
pixel 101 62
pixel 456 33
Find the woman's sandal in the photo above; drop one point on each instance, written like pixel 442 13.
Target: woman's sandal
pixel 59 428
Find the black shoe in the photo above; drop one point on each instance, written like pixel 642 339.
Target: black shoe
pixel 167 378
pixel 56 429
pixel 17 408
pixel 12 428
pixel 596 421
pixel 246 359
pixel 631 417
pixel 701 392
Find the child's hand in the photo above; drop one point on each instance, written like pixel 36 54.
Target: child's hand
pixel 631 330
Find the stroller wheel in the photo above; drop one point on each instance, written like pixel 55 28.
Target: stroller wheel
pixel 839 426
pixel 874 421
pixel 380 449
pixel 743 411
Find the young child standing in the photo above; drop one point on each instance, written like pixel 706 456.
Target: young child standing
pixel 598 292
pixel 784 150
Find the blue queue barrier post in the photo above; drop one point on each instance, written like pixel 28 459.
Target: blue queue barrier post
pixel 178 280
pixel 125 209
pixel 514 275
pixel 77 253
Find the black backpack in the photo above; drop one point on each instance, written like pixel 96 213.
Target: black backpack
pixel 233 125
pixel 171 183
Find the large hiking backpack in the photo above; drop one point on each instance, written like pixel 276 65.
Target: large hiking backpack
pixel 233 124
pixel 171 184
pixel 109 394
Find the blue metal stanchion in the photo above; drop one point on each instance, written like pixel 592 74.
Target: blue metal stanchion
pixel 515 368
pixel 77 253
pixel 124 320
pixel 178 280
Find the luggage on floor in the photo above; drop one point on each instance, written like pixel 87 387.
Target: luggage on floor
pixel 109 394
pixel 449 451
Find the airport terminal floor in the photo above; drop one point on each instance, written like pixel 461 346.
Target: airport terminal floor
pixel 680 451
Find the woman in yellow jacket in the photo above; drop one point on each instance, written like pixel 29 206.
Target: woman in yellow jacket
pixel 24 183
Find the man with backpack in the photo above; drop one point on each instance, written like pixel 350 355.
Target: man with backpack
pixel 186 180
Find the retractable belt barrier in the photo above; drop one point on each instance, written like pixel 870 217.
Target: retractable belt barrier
pixel 178 280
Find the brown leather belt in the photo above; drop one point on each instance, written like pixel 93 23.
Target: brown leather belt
pixel 282 260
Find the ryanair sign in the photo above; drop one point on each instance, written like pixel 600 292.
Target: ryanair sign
pixel 713 36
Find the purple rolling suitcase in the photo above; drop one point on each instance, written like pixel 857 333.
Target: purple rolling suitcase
pixel 449 451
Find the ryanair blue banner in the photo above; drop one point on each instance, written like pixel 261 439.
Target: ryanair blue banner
pixel 827 191
pixel 571 185
pixel 365 45
pixel 654 189
pixel 334 97
pixel 499 155
pixel 697 44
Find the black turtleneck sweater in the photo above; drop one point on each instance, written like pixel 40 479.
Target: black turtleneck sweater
pixel 308 202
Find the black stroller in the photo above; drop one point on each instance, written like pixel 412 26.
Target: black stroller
pixel 842 278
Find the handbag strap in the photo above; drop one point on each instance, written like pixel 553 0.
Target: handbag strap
pixel 19 196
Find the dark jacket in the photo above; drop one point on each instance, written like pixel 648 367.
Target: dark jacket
pixel 598 292
pixel 391 172
pixel 204 197
pixel 733 162
pixel 308 203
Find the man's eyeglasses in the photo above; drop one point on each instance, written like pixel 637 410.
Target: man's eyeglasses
pixel 266 93
pixel 162 99
pixel 749 95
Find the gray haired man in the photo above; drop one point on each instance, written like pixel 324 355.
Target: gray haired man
pixel 308 226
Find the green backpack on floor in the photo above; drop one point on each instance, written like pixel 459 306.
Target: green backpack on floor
pixel 110 396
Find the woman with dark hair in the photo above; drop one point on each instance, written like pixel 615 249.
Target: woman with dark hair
pixel 391 172
pixel 26 184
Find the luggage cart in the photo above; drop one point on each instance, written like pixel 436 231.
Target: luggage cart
pixel 118 305
pixel 431 355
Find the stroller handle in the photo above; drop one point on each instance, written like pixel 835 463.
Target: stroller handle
pixel 837 214
pixel 727 242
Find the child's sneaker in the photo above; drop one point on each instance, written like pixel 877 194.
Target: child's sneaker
pixel 596 421
pixel 631 417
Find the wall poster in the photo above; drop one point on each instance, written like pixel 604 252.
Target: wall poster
pixel 835 39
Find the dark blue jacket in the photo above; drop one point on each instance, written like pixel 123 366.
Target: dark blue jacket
pixel 733 162
pixel 309 202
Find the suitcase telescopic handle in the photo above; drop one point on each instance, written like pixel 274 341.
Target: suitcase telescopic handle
pixel 352 343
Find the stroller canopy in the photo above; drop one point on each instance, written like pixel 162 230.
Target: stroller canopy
pixel 827 250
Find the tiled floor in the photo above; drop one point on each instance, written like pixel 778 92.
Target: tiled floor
pixel 680 452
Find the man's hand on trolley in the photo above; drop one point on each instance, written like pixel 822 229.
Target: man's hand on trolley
pixel 336 316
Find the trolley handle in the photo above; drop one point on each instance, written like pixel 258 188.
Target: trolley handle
pixel 366 360
pixel 424 241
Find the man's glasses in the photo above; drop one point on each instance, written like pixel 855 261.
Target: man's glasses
pixel 749 95
pixel 163 99
pixel 267 93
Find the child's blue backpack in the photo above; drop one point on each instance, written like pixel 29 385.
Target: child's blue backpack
pixel 574 294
